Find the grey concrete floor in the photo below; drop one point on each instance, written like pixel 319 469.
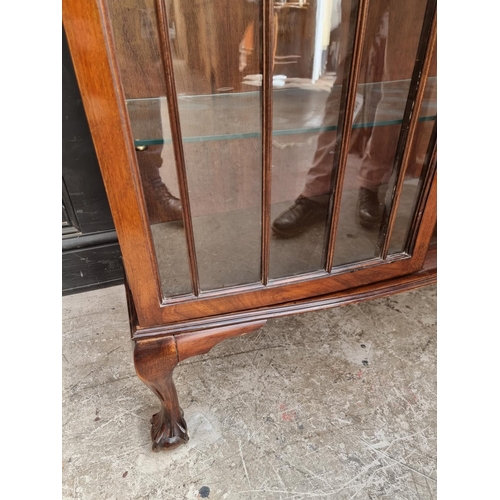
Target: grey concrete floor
pixel 336 404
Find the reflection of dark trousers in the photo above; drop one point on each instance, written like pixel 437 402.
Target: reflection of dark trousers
pixel 397 25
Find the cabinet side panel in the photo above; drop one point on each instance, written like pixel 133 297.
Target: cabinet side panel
pixel 91 45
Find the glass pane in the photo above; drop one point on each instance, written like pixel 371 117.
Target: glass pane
pixel 418 163
pixel 313 41
pixel 135 33
pixel 390 49
pixel 216 49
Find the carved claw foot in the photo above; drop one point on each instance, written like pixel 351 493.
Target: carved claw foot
pixel 167 431
pixel 155 360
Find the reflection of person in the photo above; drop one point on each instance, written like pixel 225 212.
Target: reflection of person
pixel 389 55
pixel 142 77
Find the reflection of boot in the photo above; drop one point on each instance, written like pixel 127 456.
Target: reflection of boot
pixel 171 206
pixel 161 204
pixel 369 209
pixel 301 215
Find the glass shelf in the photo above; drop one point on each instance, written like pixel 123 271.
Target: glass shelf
pixel 297 109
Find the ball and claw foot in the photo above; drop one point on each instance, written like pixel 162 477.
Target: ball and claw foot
pixel 155 360
pixel 168 432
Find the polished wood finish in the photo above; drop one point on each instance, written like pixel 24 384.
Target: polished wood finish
pixel 428 219
pixel 208 303
pixel 169 330
pixel 175 127
pixel 155 360
pixel 200 342
pixel 267 133
pixel 410 120
pixel 426 189
pixel 345 128
pixel 284 290
pixel 426 275
pixel 91 47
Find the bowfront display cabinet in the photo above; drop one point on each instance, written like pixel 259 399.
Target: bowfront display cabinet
pixel 261 158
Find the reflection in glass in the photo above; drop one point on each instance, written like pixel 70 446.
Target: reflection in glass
pixel 392 38
pixel 303 163
pixel 418 164
pixel 217 62
pixel 220 119
pixel 312 45
pixel 137 48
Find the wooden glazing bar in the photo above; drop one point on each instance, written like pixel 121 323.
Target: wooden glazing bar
pixel 175 126
pixel 410 119
pixel 424 194
pixel 345 127
pixel 426 227
pixel 267 132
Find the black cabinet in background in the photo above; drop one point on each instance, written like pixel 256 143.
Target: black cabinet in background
pixel 91 256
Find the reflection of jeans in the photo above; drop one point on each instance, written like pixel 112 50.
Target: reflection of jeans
pixel 396 28
pixel 376 166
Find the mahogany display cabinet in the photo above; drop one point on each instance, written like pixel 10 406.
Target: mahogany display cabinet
pixel 260 159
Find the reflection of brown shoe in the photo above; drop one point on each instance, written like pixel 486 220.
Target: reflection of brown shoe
pixel 161 204
pixel 369 209
pixel 171 205
pixel 301 216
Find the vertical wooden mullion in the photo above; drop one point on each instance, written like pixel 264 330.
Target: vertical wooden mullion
pixel 267 132
pixel 175 126
pixel 426 225
pixel 345 127
pixel 410 119
pixel 431 167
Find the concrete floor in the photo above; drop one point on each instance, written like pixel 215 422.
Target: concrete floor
pixel 336 404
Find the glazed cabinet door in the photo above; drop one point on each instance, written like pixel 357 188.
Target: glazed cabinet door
pixel 260 152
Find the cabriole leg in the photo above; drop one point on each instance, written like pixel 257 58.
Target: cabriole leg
pixel 155 360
